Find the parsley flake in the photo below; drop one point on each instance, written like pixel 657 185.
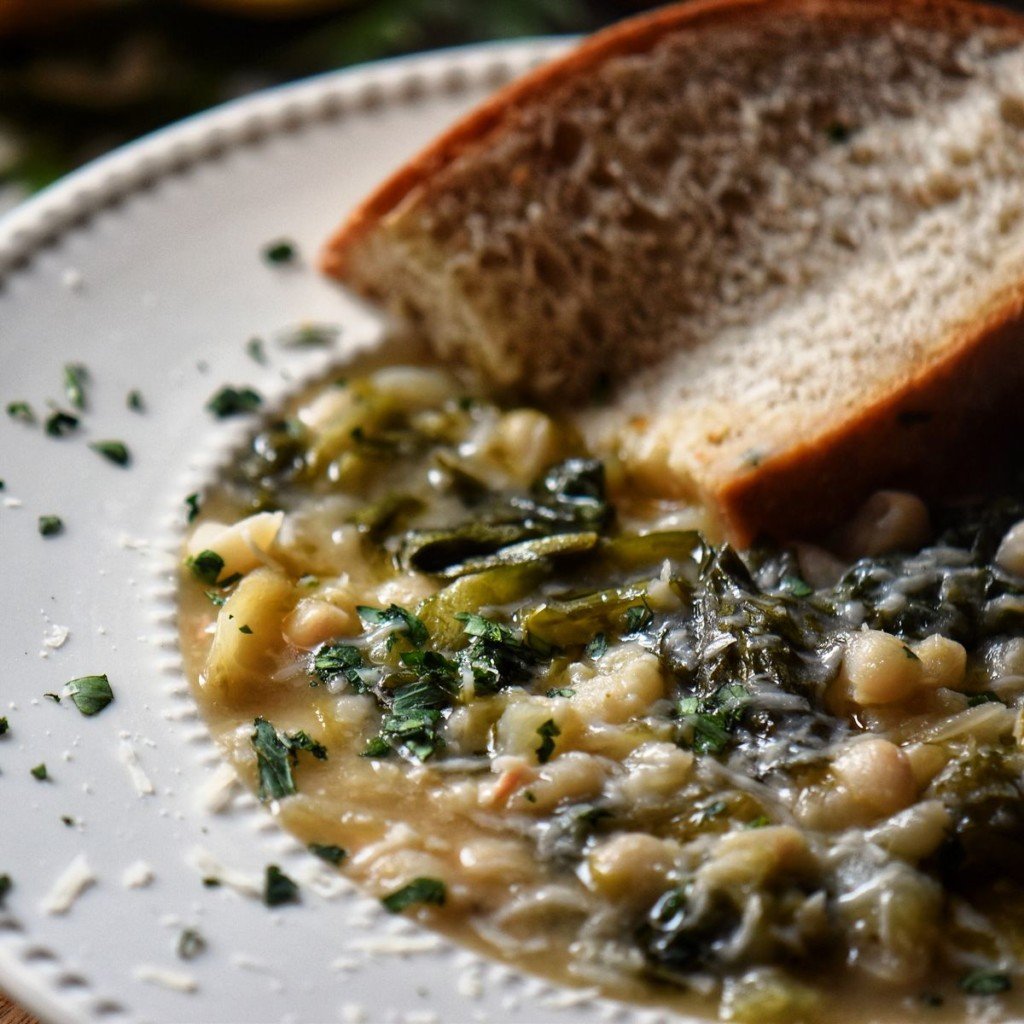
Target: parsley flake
pixel 206 566
pixel 638 616
pixel 985 983
pixel 112 451
pixel 6 885
pixel 76 377
pixel 192 507
pixel 279 252
pixel 376 747
pixel 407 624
pixel 278 888
pixel 135 401
pixel 420 890
pixel 231 401
pixel 4 726
pixel 328 852
pixel 256 352
pixel 21 411
pixel 39 772
pixel 547 731
pixel 246 629
pixel 276 755
pixel 60 423
pixel 310 336
pixel 190 944
pixel 598 647
pixel 90 694
pixel 50 526
pixel 797 586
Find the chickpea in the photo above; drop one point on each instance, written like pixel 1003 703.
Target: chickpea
pixel 632 867
pixel 878 668
pixel 878 776
pixel 887 521
pixel 1010 555
pixel 943 662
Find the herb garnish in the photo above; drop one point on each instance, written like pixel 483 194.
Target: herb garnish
pixel 4 726
pixel 985 983
pixel 335 660
pixel 50 526
pixel 547 732
pixel 279 252
pixel 90 694
pixel 6 885
pixel 376 747
pixel 135 401
pixel 192 507
pixel 55 697
pixel 638 617
pixel 75 378
pixel 706 723
pixel 206 566
pixel 309 336
pixel 39 772
pixel 420 890
pixel 60 423
pixel 278 888
pixel 276 754
pixel 21 411
pixel 231 401
pixel 246 629
pixel 112 451
pixel 190 944
pixel 597 647
pixel 561 691
pixel 328 852
pixel 407 624
pixel 256 352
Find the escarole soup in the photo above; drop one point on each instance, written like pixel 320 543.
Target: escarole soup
pixel 457 656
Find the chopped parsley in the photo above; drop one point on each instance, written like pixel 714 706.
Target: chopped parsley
pixel 4 726
pixel 112 451
pixel 55 697
pixel 707 722
pixel 21 411
pixel 985 983
pixel 135 401
pixel 276 755
pixel 597 647
pixel 192 507
pixel 206 566
pixel 6 885
pixel 335 660
pixel 547 731
pixel 190 944
pixel 407 624
pixel 39 772
pixel 638 617
pixel 76 377
pixel 231 401
pixel 279 252
pixel 256 352
pixel 60 423
pixel 310 336
pixel 50 526
pixel 328 852
pixel 984 697
pixel 376 747
pixel 562 691
pixel 90 694
pixel 420 890
pixel 797 586
pixel 246 629
pixel 278 888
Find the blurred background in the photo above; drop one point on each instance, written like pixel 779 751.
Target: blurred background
pixel 78 77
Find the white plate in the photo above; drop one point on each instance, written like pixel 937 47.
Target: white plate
pixel 146 267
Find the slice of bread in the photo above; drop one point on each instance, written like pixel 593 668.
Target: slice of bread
pixel 789 232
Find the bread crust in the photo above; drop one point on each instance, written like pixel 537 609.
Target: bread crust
pixel 632 36
pixel 932 433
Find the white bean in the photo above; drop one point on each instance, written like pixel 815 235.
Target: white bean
pixel 878 668
pixel 632 867
pixel 1010 555
pixel 887 521
pixel 877 775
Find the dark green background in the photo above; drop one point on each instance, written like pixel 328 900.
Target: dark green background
pixel 87 84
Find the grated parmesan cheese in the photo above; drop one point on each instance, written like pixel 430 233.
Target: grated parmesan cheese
pixel 72 882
